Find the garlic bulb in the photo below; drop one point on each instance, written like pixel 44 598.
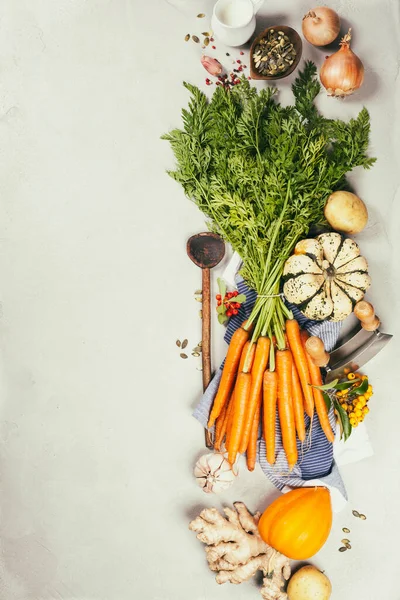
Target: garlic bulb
pixel 214 473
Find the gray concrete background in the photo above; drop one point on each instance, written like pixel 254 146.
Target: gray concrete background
pixel 96 440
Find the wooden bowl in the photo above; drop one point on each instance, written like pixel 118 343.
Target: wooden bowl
pixel 298 46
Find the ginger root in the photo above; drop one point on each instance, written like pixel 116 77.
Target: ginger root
pixel 236 551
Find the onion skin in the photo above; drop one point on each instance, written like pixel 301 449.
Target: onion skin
pixel 321 26
pixel 343 72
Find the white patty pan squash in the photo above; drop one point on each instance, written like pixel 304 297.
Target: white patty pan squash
pixel 325 277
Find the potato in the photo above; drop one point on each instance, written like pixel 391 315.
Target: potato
pixel 309 584
pixel 346 212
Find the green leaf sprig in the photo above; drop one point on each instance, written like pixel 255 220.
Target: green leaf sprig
pixel 261 173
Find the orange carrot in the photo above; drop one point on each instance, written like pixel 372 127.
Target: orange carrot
pixel 251 454
pixel 243 356
pixel 257 373
pixel 284 363
pixel 242 391
pixel 300 360
pixel 270 388
pixel 219 424
pixel 226 384
pixel 320 406
pixel 298 405
pixel 229 419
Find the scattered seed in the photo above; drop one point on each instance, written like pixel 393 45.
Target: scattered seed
pixel 195 39
pixel 197 298
pixel 195 353
pixel 199 368
pixel 178 343
pixel 201 16
pixel 187 37
pixel 227 54
pixel 206 33
pixel 200 344
pixel 363 517
pixel 184 344
pixel 197 292
pixel 183 355
pixel 214 47
pixel 196 349
pixel 200 314
pixel 345 541
pixel 348 546
pixel 346 530
pixel 342 549
pixel 356 513
pixel 206 41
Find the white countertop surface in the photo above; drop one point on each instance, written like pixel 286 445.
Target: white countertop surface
pixel 97 440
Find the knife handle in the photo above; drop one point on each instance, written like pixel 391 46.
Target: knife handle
pixel 365 312
pixel 316 349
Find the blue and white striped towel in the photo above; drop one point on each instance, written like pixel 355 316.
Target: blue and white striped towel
pixel 316 461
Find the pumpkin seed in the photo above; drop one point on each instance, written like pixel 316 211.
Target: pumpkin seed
pixel 356 513
pixel 206 41
pixel 187 37
pixel 206 33
pixel 195 39
pixel 342 549
pixel 363 517
pixel 178 343
pixel 345 541
pixel 195 353
pixel 183 355
pixel 201 16
pixel 184 344
pixel 197 292
pixel 196 349
pixel 346 530
pixel 348 546
pixel 198 299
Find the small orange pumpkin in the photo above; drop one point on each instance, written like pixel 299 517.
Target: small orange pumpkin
pixel 298 523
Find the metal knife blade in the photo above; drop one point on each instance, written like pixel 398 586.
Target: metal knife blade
pixel 352 356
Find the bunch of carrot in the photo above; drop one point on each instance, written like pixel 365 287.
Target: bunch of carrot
pixel 257 380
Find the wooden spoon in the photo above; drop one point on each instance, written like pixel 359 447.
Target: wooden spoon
pixel 206 250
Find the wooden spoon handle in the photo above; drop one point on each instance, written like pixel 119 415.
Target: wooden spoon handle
pixel 206 339
pixel 316 349
pixel 365 312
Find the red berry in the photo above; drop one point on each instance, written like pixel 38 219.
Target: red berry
pixel 237 305
pixel 229 313
pixel 230 294
pixel 211 39
pixel 236 293
pixel 238 61
pixel 219 302
pixel 235 312
pixel 214 47
pixel 249 78
pixel 218 296
pixel 241 52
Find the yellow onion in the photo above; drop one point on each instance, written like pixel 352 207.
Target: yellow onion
pixel 343 72
pixel 321 26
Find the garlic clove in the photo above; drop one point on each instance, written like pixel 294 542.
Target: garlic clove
pixel 214 473
pixel 211 65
